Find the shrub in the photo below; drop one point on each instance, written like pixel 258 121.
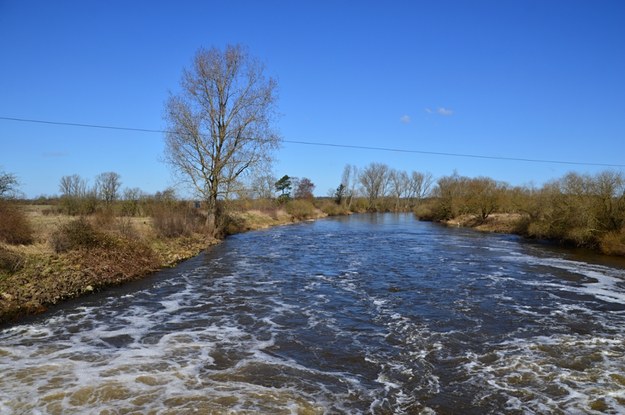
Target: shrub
pixel 300 209
pixel 10 261
pixel 613 243
pixel 425 211
pixel 175 220
pixel 14 225
pixel 581 236
pixel 76 234
pixel 104 218
pixel 330 208
pixel 125 228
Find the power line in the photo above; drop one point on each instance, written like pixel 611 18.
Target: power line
pixel 315 143
pixel 73 124
pixel 437 153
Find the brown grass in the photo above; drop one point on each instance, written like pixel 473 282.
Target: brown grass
pixel 613 243
pixel 71 256
pixel 15 228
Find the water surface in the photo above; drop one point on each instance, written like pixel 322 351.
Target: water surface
pixel 375 314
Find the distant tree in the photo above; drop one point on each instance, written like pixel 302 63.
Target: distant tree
pixel 167 195
pixel 608 188
pixel 72 186
pixel 349 182
pixel 305 188
pixel 483 196
pixel 8 184
pixel 419 187
pixel 374 181
pixel 450 192
pixel 262 186
pixel 108 185
pixel 131 201
pixel 75 196
pixel 339 194
pixel 219 125
pixel 399 186
pixel 283 185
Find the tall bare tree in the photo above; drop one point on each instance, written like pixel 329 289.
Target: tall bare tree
pixel 374 181
pixel 419 187
pixel 219 125
pixel 73 186
pixel 349 181
pixel 399 186
pixel 108 185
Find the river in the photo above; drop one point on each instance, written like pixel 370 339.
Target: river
pixel 376 314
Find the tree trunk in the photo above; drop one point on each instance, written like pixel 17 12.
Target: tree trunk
pixel 211 215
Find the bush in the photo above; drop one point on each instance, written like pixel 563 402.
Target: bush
pixel 175 220
pixel 613 243
pixel 330 208
pixel 10 261
pixel 300 209
pixel 77 234
pixel 14 225
pixel 425 211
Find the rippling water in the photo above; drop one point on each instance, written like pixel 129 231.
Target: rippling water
pixel 364 314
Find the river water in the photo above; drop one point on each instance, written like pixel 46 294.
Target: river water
pixel 377 314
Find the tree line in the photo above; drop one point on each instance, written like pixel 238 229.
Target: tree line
pixel 585 210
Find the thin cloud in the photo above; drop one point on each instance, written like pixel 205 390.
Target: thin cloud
pixel 405 119
pixel 445 112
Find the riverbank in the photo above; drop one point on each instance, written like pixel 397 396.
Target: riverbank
pixel 612 244
pixel 70 257
pixel 496 223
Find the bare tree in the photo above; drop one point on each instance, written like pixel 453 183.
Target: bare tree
pixel 72 186
pixel 132 198
pixel 349 182
pixel 8 184
pixel 75 198
pixel 419 187
pixel 450 192
pixel 305 188
pixel 262 186
pixel 483 196
pixel 374 182
pixel 399 186
pixel 608 188
pixel 108 185
pixel 219 125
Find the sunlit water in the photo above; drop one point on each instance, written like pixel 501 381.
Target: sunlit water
pixel 363 314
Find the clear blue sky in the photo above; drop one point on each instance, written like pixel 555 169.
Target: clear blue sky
pixel 528 79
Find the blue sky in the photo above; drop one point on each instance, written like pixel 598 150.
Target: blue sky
pixel 524 79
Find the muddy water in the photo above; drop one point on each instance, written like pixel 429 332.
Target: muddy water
pixel 366 314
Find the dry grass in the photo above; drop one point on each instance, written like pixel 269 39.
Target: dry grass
pixel 496 222
pixel 71 256
pixel 15 228
pixel 613 243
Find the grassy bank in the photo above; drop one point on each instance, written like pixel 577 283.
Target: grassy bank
pixel 50 256
pixel 609 243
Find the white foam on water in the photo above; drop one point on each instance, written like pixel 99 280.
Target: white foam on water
pixel 555 373
pixel 605 283
pixel 228 344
